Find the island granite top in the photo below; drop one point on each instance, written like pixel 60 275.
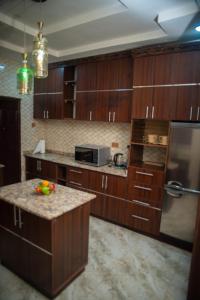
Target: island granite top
pixel 70 161
pixel 48 207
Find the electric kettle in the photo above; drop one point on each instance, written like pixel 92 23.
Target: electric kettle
pixel 118 160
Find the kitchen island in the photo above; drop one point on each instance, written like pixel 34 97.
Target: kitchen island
pixel 44 239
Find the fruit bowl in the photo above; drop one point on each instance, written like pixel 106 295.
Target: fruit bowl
pixel 45 188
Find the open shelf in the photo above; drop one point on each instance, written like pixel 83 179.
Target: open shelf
pixel 149 166
pixel 69 92
pixel 149 145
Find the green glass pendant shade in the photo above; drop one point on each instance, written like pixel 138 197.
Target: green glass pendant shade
pixel 24 78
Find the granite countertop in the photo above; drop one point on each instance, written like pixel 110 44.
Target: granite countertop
pixel 48 207
pixel 70 161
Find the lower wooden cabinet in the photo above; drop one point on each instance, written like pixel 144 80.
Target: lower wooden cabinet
pixel 77 177
pixel 37 168
pixel 47 253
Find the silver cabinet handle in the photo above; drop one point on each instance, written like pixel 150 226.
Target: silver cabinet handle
pixel 20 218
pixel 74 171
pixel 44 114
pixel 142 188
pixel 143 173
pixel 15 215
pixel 102 182
pixel 152 113
pixel 106 183
pixel 191 112
pixel 47 114
pixel 109 116
pixel 39 165
pixel 142 203
pixel 140 218
pixel 147 112
pixel 76 183
pixel 114 116
pixel 198 111
pixel 90 116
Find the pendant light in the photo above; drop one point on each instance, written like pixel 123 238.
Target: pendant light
pixel 24 73
pixel 40 52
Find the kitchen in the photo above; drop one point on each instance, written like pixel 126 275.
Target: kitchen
pixel 127 99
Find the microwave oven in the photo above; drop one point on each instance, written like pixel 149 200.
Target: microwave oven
pixel 95 155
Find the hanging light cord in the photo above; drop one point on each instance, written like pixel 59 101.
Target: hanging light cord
pixel 24 26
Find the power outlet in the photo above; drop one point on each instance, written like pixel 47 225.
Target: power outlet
pixel 115 145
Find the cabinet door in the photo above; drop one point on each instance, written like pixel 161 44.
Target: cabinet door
pixel 143 70
pixel 39 106
pixel 86 76
pixel 197 115
pixel 116 186
pixel 120 106
pixel 113 210
pixel 55 80
pixel 97 207
pixel 125 73
pixel 164 103
pixel 142 103
pixel 8 216
pixel 186 107
pixel 96 181
pixel 54 106
pixel 14 253
pixel 85 106
pixel 107 74
pixel 48 170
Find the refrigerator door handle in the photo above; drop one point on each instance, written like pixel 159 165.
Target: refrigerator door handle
pixel 174 189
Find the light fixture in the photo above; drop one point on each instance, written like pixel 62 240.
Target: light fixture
pixel 40 54
pixel 24 77
pixel 24 73
pixel 197 28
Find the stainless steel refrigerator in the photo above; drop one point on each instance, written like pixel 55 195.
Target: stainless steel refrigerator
pixel 182 188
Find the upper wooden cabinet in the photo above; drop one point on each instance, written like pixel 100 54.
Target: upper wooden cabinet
pixel 49 95
pixel 108 74
pixel 168 68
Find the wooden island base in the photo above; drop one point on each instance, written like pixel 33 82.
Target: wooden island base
pixel 48 254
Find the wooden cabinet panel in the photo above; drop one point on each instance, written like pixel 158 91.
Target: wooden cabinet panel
pixel 48 170
pixel 77 177
pixel 186 108
pixel 145 176
pixel 39 106
pixel 86 76
pixel 116 186
pixel 120 107
pixel 164 103
pixel 142 103
pixel 142 218
pixel 146 195
pixel 40 168
pixel 97 207
pixel 54 106
pixel 36 230
pixel 107 74
pixel 96 181
pixel 8 216
pixel 143 73
pixel 163 68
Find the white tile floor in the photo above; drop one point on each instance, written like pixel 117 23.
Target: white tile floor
pixel 123 265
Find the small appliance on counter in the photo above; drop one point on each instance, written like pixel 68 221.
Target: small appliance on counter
pixel 90 154
pixel 118 160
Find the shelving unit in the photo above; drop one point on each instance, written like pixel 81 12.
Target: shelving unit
pixel 69 92
pixel 144 154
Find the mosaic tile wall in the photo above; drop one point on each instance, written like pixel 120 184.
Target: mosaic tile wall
pixel 29 135
pixel 64 135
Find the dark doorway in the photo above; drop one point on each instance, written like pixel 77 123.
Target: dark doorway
pixel 10 139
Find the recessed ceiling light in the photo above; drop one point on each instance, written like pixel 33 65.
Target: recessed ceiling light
pixel 2 67
pixel 197 28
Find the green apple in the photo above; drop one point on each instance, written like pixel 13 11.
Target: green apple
pixel 45 190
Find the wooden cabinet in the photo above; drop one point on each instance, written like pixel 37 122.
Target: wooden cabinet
pixel 86 76
pixel 104 106
pixel 157 103
pixel 77 178
pixel 143 73
pixel 47 253
pixel 48 95
pixel 37 168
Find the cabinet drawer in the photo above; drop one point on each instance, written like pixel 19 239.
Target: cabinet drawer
pixel 147 195
pixel 146 176
pixel 77 177
pixel 143 218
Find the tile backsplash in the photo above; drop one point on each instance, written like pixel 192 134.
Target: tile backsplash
pixel 62 136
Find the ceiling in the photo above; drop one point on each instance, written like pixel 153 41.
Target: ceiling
pixel 79 28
